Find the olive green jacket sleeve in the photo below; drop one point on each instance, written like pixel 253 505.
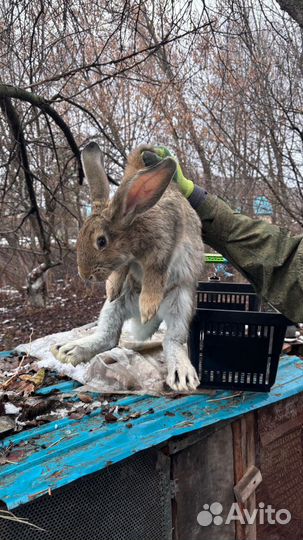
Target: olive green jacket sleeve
pixel 268 256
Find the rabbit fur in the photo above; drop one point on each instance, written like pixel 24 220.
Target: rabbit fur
pixel 152 261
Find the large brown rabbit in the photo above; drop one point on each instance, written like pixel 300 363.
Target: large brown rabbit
pixel 146 242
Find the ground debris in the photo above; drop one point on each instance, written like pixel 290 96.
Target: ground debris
pixel 7 424
pixel 24 403
pixel 4 453
pixel 123 408
pixel 22 388
pixel 10 408
pixel 62 312
pixel 78 414
pixel 110 418
pixel 234 395
pixel 36 380
pixel 21 375
pixel 20 405
pixel 31 410
pixel 86 398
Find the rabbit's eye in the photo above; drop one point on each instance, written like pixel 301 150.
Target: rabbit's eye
pixel 101 242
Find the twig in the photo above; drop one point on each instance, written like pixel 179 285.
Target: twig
pixel 11 517
pixel 223 398
pixel 13 377
pixel 30 343
pixel 56 442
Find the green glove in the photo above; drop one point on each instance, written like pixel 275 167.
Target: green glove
pixel 186 186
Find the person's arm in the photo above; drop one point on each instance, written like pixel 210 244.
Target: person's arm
pixel 268 256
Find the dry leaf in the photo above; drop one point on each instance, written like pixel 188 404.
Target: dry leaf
pixel 30 412
pixel 85 398
pixel 135 415
pixel 16 455
pixel 28 388
pixel 110 418
pixel 37 379
pixel 77 415
pixel 22 388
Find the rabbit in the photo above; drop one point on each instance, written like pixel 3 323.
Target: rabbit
pixel 146 242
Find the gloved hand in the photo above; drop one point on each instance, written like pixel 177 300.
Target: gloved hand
pixel 186 186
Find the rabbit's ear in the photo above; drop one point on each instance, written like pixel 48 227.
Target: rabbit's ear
pixel 92 161
pixel 147 187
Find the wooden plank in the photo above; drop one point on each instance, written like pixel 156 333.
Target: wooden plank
pixel 248 484
pixel 240 528
pixel 244 449
pixel 250 419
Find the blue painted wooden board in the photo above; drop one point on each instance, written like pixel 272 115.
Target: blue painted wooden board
pixel 90 444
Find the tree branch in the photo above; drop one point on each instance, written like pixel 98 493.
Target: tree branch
pixel 294 8
pixel 8 91
pixel 17 132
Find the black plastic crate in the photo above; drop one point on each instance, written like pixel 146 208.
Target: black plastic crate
pixel 233 343
pixel 231 296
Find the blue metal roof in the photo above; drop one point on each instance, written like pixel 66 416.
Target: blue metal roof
pixel 60 452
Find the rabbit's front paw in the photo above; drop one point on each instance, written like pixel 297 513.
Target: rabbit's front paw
pixel 72 353
pixel 114 284
pixel 182 376
pixel 113 291
pixel 149 305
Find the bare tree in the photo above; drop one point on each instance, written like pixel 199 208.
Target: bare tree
pixel 218 82
pixel 294 8
pixel 55 73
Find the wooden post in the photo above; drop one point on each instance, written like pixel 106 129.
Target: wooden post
pixel 246 476
pixel 250 462
pixel 240 529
